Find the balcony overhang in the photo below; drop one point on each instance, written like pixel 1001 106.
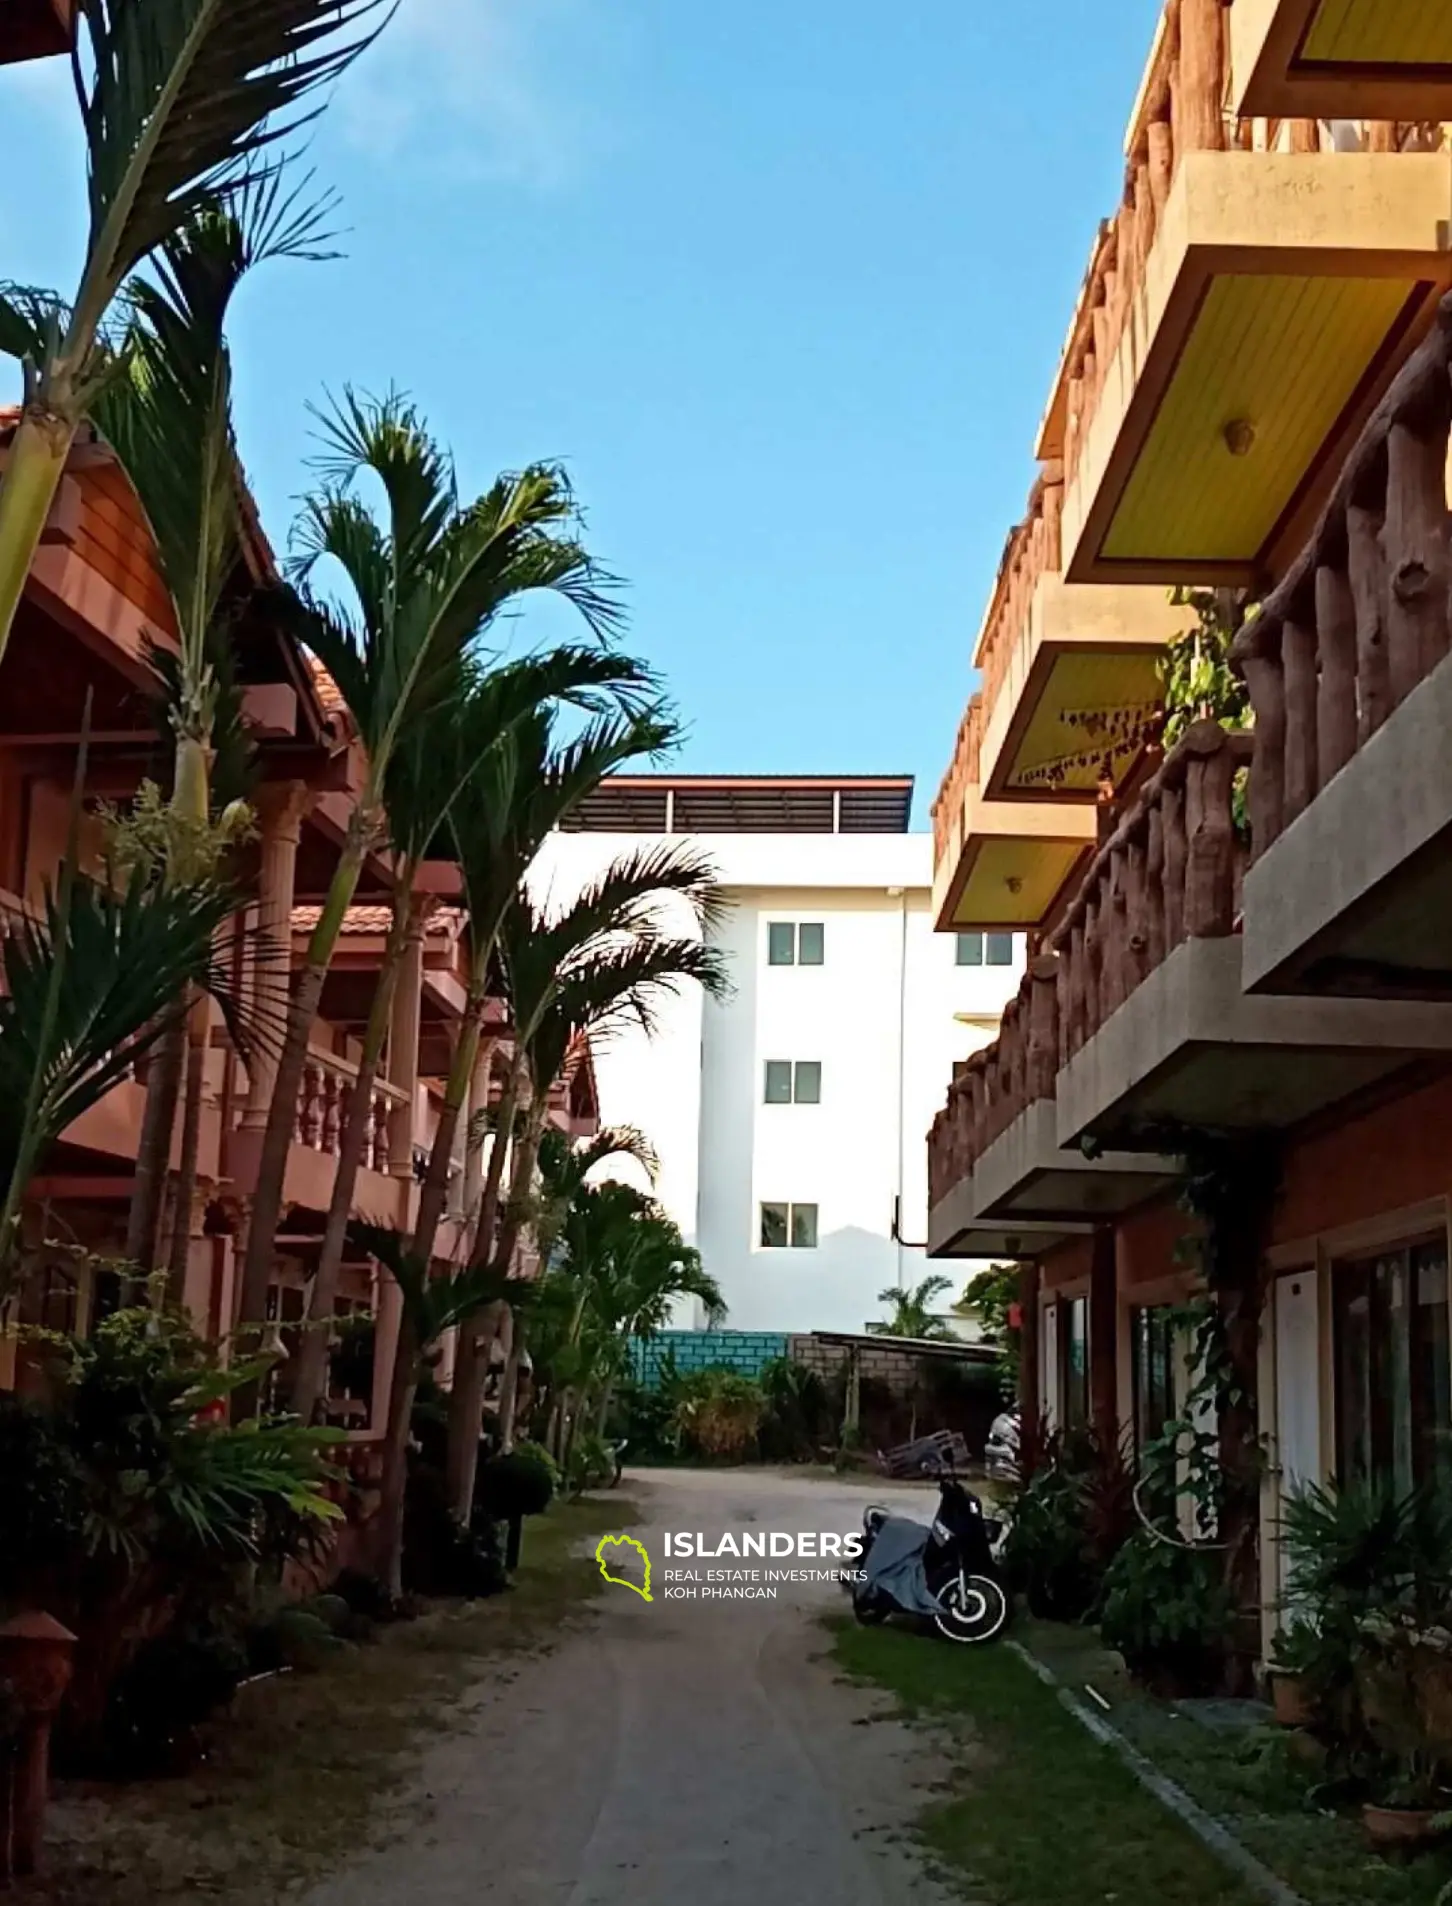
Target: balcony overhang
pixel 1279 296
pixel 1340 59
pixel 1026 1176
pixel 1080 687
pixel 954 1231
pixel 1190 1049
pixel 1356 895
pixel 35 29
pixel 1008 861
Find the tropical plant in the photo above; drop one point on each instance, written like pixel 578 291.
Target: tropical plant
pixel 598 964
pixel 1072 1513
pixel 168 417
pixel 90 990
pixel 797 1421
pixel 152 1503
pixel 422 589
pixel 430 1306
pixel 1198 681
pixel 719 1413
pixel 1167 1609
pixel 184 105
pixel 912 1310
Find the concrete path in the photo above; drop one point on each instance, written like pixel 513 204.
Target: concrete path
pixel 672 1751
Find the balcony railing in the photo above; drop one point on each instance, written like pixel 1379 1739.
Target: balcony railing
pixel 1170 872
pixel 1033 551
pixel 322 1104
pixel 1363 616
pixel 998 1084
pixel 962 774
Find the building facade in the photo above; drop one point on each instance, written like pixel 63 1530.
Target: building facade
pixel 1237 996
pixel 789 1116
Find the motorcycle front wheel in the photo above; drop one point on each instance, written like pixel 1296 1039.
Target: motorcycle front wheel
pixel 974 1608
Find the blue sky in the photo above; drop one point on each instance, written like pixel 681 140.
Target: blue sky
pixel 785 286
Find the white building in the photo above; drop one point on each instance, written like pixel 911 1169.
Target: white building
pixel 791 1119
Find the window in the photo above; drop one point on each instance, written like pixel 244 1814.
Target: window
pixel 1393 1380
pixel 781 943
pixel 1152 1334
pixel 1074 1361
pixel 793 1082
pixel 791 944
pixel 789 1226
pixel 985 949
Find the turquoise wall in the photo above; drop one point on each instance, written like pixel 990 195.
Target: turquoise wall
pixel 744 1351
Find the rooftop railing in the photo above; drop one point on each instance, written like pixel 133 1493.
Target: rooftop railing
pixel 962 774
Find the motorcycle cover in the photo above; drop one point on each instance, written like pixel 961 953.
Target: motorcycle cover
pixel 894 1565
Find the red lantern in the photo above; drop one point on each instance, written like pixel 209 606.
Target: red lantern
pixel 1015 1316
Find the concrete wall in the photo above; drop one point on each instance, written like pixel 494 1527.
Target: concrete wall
pixel 881 1015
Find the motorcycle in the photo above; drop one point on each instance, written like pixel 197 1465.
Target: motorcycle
pixel 947 1571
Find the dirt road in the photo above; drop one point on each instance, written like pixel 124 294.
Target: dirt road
pixel 680 1750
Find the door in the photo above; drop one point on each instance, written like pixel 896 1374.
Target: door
pixel 1298 1385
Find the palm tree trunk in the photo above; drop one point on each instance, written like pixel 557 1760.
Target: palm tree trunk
pixel 277 1136
pixel 508 1391
pixel 435 1194
pixel 471 1362
pixel 312 1368
pixel 602 1415
pixel 153 1152
pixel 196 1029
pixel 401 1392
pixel 477 1336
pixel 33 472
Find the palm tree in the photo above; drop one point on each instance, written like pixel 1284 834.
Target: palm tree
pixel 168 417
pixel 429 774
pixel 89 991
pixel 912 1310
pixel 423 589
pixel 184 103
pixel 600 964
pixel 431 1305
pixel 565 1169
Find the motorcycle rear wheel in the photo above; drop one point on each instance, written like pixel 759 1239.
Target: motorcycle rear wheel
pixel 870 1609
pixel 975 1608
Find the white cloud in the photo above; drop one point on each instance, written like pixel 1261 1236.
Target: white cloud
pixel 480 88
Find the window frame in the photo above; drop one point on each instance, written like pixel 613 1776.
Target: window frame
pixel 789 1239
pixel 773 929
pixel 804 927
pixel 1378 1442
pixel 779 1066
pixel 798 1067
pixel 963 942
pixel 998 949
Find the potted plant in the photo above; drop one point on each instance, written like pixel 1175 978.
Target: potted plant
pixel 1295 1657
pixel 1410 1805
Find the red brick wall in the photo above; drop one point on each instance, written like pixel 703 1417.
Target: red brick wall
pixel 1397 1155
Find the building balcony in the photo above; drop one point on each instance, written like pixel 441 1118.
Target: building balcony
pixel 1071 686
pixel 998 1137
pixel 1157 1034
pixel 385 1186
pixel 1350 888
pixel 1243 312
pixel 1341 59
pixel 1001 864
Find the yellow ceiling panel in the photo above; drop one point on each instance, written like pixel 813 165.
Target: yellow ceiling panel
pixel 1091 710
pixel 1381 33
pixel 1281 354
pixel 1013 882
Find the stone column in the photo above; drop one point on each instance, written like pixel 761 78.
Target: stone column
pixel 1030 1351
pixel 403 1050
pixel 280 810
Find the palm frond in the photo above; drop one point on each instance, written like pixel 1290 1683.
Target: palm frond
pixel 183 100
pixel 435 1303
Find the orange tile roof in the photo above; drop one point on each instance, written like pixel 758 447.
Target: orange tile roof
pixel 443 922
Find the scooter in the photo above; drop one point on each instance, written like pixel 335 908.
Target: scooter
pixel 966 1598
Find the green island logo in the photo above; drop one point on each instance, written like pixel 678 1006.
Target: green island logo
pixel 624 1542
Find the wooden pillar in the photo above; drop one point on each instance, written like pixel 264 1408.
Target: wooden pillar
pixel 1366 567
pixel 1200 88
pixel 1104 1336
pixel 1298 661
pixel 280 810
pixel 403 1050
pixel 1336 688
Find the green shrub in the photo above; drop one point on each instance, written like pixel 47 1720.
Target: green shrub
pixel 719 1413
pixel 1070 1519
pixel 174 1683
pixel 519 1484
pixel 1167 1610
pixel 797 1416
pixel 591 1463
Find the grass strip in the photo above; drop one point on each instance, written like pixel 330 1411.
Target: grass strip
pixel 1039 1814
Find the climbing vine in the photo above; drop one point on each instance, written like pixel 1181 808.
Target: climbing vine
pixel 1199 683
